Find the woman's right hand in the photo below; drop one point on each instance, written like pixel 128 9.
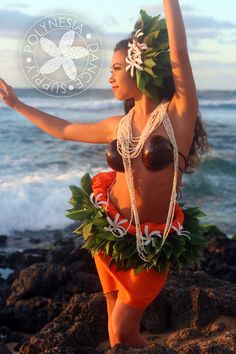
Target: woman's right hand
pixel 7 94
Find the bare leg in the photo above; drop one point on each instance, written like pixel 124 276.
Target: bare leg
pixel 111 298
pixel 126 324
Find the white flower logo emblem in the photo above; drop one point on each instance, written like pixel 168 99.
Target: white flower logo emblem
pixel 180 231
pixel 134 54
pixel 63 55
pixel 147 237
pixel 115 226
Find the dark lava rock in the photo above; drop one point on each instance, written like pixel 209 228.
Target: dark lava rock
pixel 31 315
pixel 52 280
pixel 7 335
pixel 38 279
pixel 155 317
pixel 82 323
pixel 55 295
pixel 192 307
pixel 224 344
pixel 3 240
pixel 4 349
pixel 175 339
pixel 220 257
pixel 35 241
pixel 153 349
pixel 5 291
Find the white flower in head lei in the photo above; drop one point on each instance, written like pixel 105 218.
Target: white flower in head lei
pixel 148 57
pixel 134 58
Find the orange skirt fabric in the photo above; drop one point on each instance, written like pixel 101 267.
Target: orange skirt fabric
pixel 135 290
pixel 139 290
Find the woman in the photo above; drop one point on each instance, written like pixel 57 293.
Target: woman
pixel 142 192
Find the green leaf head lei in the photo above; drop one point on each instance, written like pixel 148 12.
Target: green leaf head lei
pixel 148 56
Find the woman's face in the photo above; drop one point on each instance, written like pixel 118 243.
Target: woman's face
pixel 123 85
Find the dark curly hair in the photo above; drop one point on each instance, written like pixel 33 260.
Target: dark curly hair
pixel 200 144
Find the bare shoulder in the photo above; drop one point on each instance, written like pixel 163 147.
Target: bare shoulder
pixel 112 123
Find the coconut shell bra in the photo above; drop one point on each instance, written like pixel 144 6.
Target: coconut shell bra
pixel 157 153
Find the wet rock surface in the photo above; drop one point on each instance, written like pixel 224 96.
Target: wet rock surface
pixel 54 296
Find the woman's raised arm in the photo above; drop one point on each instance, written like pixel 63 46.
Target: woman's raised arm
pixel 48 123
pixel 185 94
pixel 101 132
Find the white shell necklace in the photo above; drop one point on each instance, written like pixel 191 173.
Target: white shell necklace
pixel 130 147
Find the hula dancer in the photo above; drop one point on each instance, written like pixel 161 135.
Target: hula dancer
pixel 130 218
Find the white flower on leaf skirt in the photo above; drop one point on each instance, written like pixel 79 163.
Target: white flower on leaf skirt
pixel 135 50
pixel 115 226
pixel 147 237
pixel 95 202
pixel 180 231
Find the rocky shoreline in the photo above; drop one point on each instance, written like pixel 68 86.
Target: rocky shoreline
pixel 51 301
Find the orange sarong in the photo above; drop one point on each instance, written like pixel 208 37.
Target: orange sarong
pixel 135 290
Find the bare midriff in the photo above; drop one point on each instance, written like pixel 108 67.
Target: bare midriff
pixel 152 188
pixel 152 191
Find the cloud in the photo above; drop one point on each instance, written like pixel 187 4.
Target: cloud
pixel 206 22
pixel 227 41
pixel 187 8
pixel 214 64
pixel 110 22
pixel 14 23
pixel 132 21
pixel 197 28
pixel 110 39
pixel 191 20
pixel 196 50
pixel 195 38
pixel 155 9
pixel 17 4
pixel 7 56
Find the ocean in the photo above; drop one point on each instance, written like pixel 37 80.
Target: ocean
pixel 36 169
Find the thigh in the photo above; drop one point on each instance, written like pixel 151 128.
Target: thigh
pixel 105 275
pixel 140 290
pixel 111 298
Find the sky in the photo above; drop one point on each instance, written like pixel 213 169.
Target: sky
pixel 210 28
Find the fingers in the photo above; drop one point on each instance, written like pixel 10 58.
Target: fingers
pixel 4 88
pixel 4 84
